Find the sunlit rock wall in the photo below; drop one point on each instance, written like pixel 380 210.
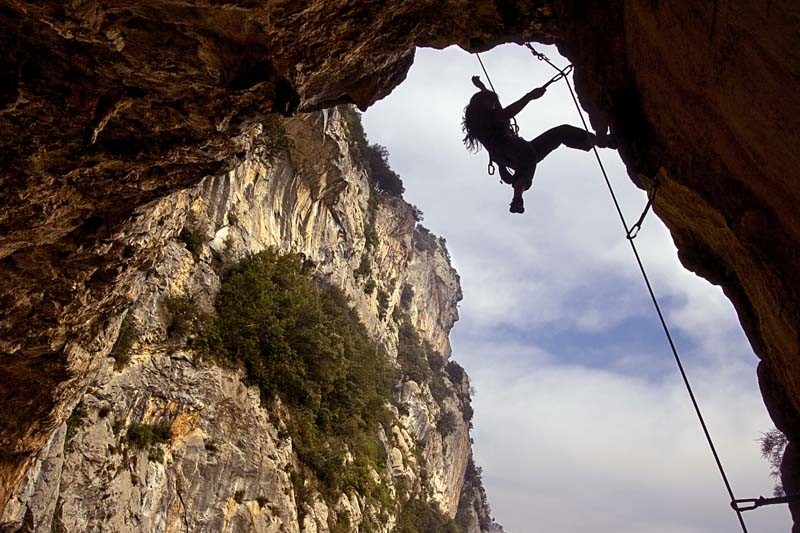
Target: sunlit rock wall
pixel 228 461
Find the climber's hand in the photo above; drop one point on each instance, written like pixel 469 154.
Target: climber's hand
pixel 537 93
pixel 476 81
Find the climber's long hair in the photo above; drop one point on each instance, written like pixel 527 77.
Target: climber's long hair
pixel 478 118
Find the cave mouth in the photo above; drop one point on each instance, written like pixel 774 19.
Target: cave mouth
pixel 576 384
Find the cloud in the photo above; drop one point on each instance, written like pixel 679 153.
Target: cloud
pixel 570 448
pixel 581 419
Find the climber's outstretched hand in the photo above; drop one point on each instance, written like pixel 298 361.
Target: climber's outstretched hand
pixel 537 93
pixel 476 81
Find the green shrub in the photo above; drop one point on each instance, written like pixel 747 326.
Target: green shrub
pixel 339 523
pixel 74 421
pixel 364 268
pixel 446 423
pixel 455 373
pixel 156 454
pixel 273 140
pixel 304 344
pixel 406 297
pixel 467 412
pixel 411 354
pixel 352 119
pixel 370 233
pixel 383 304
pixel 773 444
pixel 369 286
pixel 419 362
pixel 302 495
pixel 417 516
pixel 184 316
pixel 468 505
pixel 121 352
pixel 145 435
pixel 385 179
pixel 192 236
pixel 438 388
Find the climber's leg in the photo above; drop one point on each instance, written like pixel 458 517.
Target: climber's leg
pixel 517 205
pixel 568 136
pixel 523 179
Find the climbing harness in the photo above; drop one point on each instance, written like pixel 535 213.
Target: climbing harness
pixel 748 504
pixel 651 197
pixel 631 234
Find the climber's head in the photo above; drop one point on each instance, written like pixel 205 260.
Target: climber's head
pixel 485 100
pixel 482 104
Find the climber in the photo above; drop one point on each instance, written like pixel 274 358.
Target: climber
pixel 487 123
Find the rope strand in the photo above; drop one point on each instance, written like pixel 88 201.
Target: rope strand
pixel 652 296
pixel 488 78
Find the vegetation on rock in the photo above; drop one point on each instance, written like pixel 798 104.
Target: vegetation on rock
pixel 386 180
pixel 145 435
pixel 418 360
pixel 417 516
pixel 302 343
pixel 773 444
pixel 121 352
pixel 183 315
pixel 193 236
pixel 474 500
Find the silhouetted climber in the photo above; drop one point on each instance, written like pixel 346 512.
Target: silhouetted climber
pixel 488 123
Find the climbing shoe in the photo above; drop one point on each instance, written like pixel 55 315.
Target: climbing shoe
pixel 606 141
pixel 516 206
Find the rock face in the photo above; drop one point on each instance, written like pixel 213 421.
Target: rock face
pixel 108 107
pixel 227 463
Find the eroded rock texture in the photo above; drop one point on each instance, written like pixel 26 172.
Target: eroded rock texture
pixel 108 106
pixel 229 459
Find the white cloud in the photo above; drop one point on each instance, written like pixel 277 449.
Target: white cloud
pixel 581 420
pixel 565 447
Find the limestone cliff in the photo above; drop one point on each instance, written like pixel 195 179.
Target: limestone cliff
pixel 108 106
pixel 228 463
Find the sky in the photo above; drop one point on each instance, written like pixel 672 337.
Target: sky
pixel 581 419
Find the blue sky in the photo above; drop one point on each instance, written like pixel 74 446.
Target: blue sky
pixel 581 421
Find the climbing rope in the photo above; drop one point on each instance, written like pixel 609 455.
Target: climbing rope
pixel 490 167
pixel 489 78
pixel 700 417
pixel 514 124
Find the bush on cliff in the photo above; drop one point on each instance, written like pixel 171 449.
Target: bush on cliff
pixel 304 344
pixel 419 362
pixel 386 180
pixel 417 516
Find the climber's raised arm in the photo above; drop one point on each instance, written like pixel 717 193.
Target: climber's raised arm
pixel 511 110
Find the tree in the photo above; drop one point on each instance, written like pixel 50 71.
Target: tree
pixel 773 444
pixel 386 180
